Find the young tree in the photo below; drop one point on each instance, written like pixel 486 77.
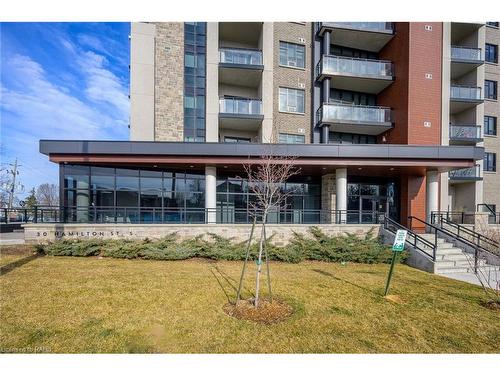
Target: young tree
pixel 47 195
pixel 266 179
pixel 31 200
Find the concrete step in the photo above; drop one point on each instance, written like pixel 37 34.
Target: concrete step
pixel 462 269
pixel 454 257
pixel 449 251
pixel 444 245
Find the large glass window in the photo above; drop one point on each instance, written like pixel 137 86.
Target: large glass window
pixel 491 53
pixel 291 100
pixel 490 125
pixel 490 161
pixel 490 89
pixel 348 138
pixel 194 81
pixel 291 138
pixel 235 199
pixel 292 55
pixel 132 195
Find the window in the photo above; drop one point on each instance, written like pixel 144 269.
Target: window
pixel 236 140
pixel 490 89
pixel 292 54
pixel 194 81
pixel 291 100
pixel 490 125
pixel 348 138
pixel 492 24
pixel 490 162
pixel 491 54
pixel 291 138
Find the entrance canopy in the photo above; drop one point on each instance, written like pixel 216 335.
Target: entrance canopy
pixel 311 158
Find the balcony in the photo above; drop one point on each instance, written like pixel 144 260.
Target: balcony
pixel 465 134
pixel 368 36
pixel 464 60
pixel 240 113
pixel 349 118
pixel 240 67
pixel 465 174
pixel 464 97
pixel 363 75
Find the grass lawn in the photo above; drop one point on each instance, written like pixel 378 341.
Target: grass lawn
pixel 65 304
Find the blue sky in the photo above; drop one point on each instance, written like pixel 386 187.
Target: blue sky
pixel 60 81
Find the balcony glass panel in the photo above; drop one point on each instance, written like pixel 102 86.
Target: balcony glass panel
pixel 240 56
pixel 240 106
pixel 356 67
pixel 367 26
pixel 465 93
pixel 465 132
pixel 466 173
pixel 355 113
pixel 466 53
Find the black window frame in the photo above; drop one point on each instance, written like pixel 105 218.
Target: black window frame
pixel 490 89
pixel 490 162
pixel 490 125
pixel 491 53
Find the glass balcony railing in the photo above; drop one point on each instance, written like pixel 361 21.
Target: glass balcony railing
pixel 466 53
pixel 465 93
pixel 339 65
pixel 240 106
pixel 465 132
pixel 466 173
pixel 386 27
pixel 349 113
pixel 240 56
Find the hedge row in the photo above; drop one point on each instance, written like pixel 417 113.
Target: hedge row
pixel 319 246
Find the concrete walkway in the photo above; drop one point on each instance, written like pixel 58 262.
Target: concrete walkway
pixel 472 278
pixel 12 238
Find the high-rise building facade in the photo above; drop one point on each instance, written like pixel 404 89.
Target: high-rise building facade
pixel 399 118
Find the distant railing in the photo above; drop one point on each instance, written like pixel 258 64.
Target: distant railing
pixel 466 173
pixel 387 27
pixel 330 65
pixel 166 215
pixel 465 132
pixel 240 106
pixel 465 93
pixel 339 111
pixel 240 56
pixel 466 53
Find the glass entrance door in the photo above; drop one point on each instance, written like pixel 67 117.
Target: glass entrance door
pixel 366 201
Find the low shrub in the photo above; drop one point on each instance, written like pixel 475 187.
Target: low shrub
pixel 318 246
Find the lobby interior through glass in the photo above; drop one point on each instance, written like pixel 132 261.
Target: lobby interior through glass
pixel 150 195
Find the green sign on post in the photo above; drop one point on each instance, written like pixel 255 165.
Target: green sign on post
pixel 397 247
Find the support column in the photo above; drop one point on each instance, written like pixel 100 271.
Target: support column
pixel 341 195
pixel 431 194
pixel 211 194
pixel 325 134
pixel 325 130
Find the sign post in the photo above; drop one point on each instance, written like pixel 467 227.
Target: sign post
pixel 397 247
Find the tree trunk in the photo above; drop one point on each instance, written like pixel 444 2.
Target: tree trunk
pixel 246 261
pixel 259 259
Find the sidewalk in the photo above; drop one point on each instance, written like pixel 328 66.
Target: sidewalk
pixel 472 278
pixel 12 238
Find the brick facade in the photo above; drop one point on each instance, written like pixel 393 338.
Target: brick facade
pixel 169 81
pixel 298 33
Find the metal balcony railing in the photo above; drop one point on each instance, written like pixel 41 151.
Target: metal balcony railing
pixel 465 92
pixel 465 132
pixel 349 113
pixel 240 106
pixel 339 65
pixel 240 56
pixel 387 27
pixel 466 53
pixel 466 173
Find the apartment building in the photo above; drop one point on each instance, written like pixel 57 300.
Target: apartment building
pixel 379 116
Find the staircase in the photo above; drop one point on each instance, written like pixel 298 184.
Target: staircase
pixel 451 259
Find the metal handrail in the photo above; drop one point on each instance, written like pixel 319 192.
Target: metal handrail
pixel 477 247
pixel 350 104
pixel 477 236
pixel 412 238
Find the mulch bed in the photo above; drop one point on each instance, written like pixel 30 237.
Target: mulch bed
pixel 266 313
pixel 493 305
pixel 17 249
